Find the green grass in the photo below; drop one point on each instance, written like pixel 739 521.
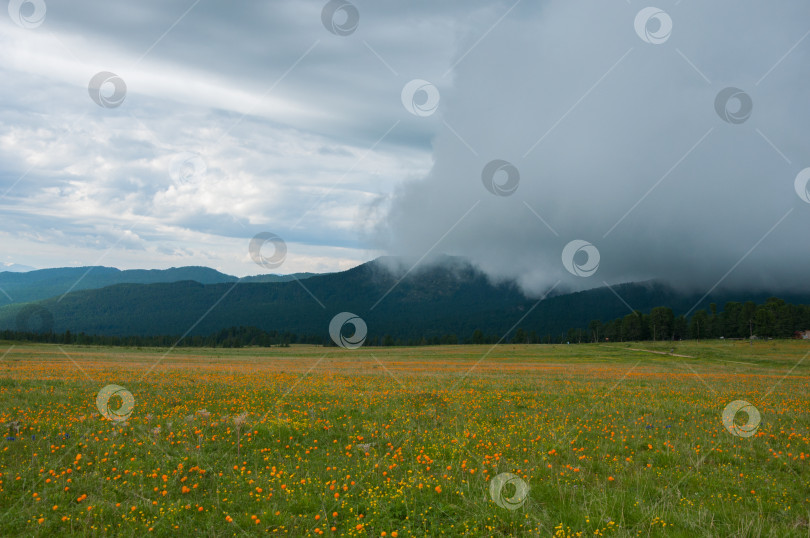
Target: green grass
pixel 609 439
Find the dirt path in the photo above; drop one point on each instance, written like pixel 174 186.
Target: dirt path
pixel 660 352
pixel 651 351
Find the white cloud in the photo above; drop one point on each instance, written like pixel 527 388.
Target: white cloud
pixel 100 179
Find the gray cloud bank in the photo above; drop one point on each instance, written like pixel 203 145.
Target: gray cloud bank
pixel 618 143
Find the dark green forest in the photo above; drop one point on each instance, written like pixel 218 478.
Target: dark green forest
pixel 451 303
pixel 774 318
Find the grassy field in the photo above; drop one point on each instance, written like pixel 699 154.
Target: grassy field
pixel 305 441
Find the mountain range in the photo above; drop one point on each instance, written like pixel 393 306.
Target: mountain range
pixel 14 267
pixel 24 287
pixel 450 297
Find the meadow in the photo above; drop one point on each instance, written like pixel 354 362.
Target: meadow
pixel 597 440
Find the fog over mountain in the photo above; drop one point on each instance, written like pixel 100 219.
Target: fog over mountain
pixel 618 143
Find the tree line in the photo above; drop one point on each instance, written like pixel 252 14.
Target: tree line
pixel 772 319
pixel 233 337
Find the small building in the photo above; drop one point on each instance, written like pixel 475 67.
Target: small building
pixel 804 335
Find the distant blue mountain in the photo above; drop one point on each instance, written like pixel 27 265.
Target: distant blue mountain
pixel 15 268
pixel 24 287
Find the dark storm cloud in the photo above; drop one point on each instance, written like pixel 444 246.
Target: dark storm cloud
pixel 618 143
pixel 353 82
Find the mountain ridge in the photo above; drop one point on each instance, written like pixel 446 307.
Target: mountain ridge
pixel 39 284
pixel 421 303
pixel 15 268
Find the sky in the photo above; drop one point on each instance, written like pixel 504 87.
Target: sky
pixel 560 144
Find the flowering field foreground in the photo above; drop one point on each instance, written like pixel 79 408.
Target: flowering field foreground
pixel 584 440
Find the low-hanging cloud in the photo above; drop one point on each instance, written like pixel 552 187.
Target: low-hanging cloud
pixel 610 127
